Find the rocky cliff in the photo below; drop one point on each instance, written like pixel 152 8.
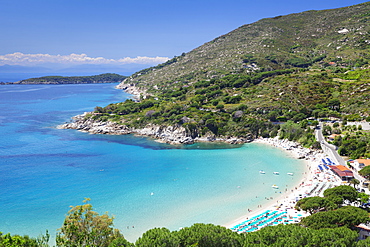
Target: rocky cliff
pixel 176 134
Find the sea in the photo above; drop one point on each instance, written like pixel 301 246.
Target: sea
pixel 142 183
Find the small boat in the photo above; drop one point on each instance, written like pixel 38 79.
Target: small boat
pixel 276 173
pixel 290 173
pixel 262 172
pixel 275 186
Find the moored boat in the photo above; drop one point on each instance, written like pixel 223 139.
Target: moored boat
pixel 262 172
pixel 276 173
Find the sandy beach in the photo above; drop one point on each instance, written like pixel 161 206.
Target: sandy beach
pixel 313 183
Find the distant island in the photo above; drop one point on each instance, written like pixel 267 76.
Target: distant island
pixel 102 78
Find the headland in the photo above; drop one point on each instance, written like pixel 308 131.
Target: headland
pixel 175 134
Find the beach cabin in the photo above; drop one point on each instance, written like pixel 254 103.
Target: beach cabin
pixel 343 172
pixel 360 163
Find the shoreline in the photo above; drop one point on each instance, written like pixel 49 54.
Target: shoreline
pixel 283 202
pixel 175 134
pixel 286 201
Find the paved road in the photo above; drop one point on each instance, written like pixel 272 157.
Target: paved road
pixel 331 151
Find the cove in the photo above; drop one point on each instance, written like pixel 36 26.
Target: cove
pixel 143 183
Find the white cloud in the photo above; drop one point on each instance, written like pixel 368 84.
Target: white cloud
pixel 19 58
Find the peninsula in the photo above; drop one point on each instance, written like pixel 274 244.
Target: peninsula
pixel 102 78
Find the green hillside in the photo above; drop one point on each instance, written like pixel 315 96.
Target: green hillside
pixel 297 67
pixel 308 39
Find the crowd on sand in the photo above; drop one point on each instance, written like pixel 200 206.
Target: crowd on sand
pixel 282 210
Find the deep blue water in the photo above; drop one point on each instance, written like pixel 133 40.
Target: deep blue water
pixel 143 183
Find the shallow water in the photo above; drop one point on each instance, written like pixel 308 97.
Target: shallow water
pixel 143 183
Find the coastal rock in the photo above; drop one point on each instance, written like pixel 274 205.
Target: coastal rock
pixel 132 89
pixel 168 134
pixel 124 86
pixel 86 124
pixel 176 134
pixel 238 140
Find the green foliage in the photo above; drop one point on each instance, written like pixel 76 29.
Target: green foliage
pixel 354 75
pixel 296 236
pixel 8 240
pixel 363 243
pixel 363 197
pixel 365 172
pixel 331 229
pixel 120 242
pixel 334 104
pixel 353 117
pixel 159 237
pixel 314 204
pixel 355 145
pixel 348 216
pixel 249 58
pixel 298 62
pixel 205 235
pixel 341 194
pixel 291 131
pixel 84 227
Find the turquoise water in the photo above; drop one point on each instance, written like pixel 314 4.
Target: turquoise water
pixel 143 183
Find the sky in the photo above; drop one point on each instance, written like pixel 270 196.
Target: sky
pixel 125 32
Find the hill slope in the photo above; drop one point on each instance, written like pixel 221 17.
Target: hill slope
pixel 293 41
pixel 293 67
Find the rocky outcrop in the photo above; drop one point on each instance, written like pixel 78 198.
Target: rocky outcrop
pixel 132 89
pixel 176 134
pixel 97 127
pixel 168 134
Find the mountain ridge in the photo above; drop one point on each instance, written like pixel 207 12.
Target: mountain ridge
pixel 225 53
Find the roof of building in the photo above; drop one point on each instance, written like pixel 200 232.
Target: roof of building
pixel 342 173
pixel 366 162
pixel 364 227
pixel 342 168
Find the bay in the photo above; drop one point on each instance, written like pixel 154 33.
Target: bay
pixel 143 183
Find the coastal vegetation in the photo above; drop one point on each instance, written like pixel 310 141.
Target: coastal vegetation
pixel 365 172
pixel 102 78
pixel 332 223
pixel 85 227
pixel 264 79
pixel 353 143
